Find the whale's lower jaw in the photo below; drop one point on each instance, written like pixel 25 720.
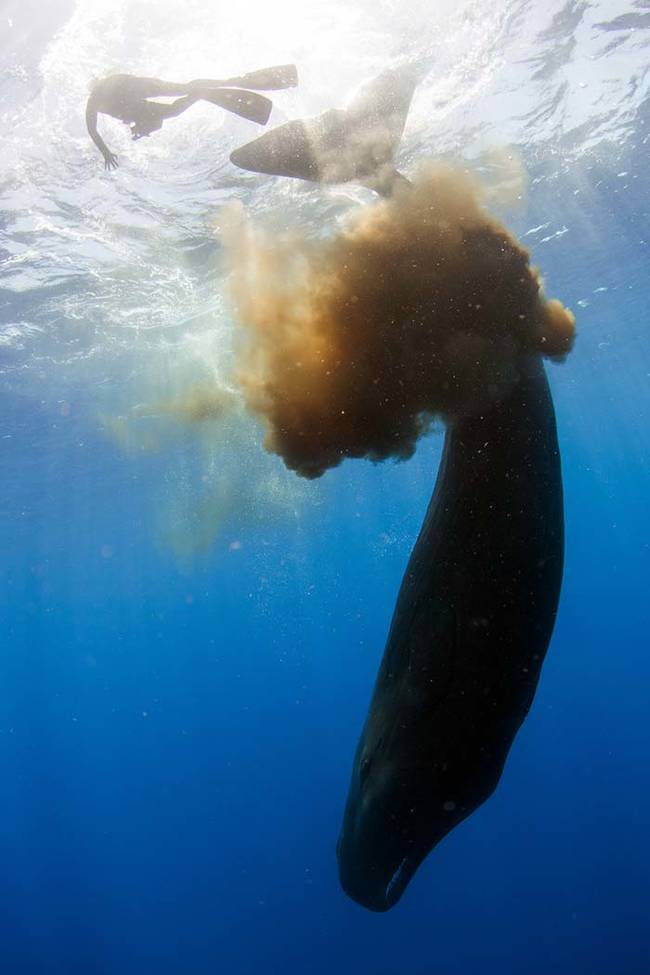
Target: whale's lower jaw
pixel 375 894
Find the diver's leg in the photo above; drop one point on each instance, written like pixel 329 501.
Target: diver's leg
pixel 247 104
pixel 265 79
pixel 177 107
pixel 156 88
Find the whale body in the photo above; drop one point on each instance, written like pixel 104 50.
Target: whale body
pixel 472 623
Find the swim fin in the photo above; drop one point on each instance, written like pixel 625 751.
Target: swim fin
pixel 265 79
pixel 268 79
pixel 248 104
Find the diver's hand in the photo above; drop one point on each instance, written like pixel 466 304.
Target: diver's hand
pixel 110 160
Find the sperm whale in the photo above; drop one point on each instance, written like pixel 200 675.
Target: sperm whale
pixel 422 306
pixel 472 623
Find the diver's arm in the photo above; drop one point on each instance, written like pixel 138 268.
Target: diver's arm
pixel 110 159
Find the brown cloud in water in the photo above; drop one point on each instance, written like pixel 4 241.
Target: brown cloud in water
pixel 202 401
pixel 422 307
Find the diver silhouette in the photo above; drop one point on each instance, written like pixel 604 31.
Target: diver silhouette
pixel 129 99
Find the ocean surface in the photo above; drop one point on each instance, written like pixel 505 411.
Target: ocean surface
pixel 189 633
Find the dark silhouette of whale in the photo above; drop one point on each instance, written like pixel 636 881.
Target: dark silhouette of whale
pixel 471 626
pixel 358 143
pixel 477 605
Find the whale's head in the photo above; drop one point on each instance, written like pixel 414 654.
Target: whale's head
pixel 376 847
pixel 408 789
pixel 385 835
pixel 401 803
pixel 403 795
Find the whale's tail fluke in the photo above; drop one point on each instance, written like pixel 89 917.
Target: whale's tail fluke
pixel 358 143
pixel 284 151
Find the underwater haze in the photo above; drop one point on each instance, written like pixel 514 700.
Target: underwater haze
pixel 189 631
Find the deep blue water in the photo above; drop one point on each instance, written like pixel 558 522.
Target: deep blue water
pixel 176 737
